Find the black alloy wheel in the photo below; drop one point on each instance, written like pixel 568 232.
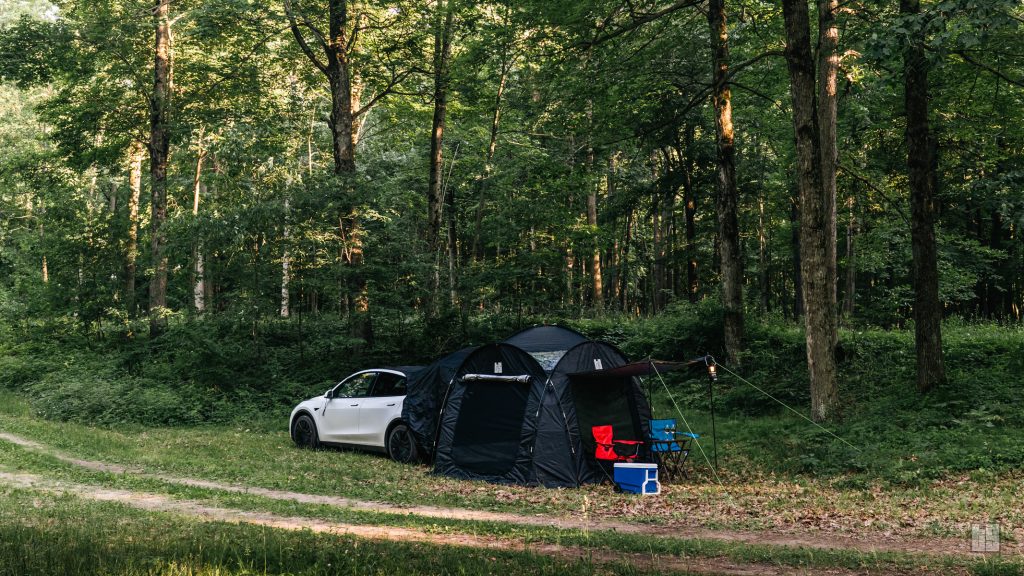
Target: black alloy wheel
pixel 401 446
pixel 304 433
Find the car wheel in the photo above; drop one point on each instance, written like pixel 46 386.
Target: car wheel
pixel 401 445
pixel 304 433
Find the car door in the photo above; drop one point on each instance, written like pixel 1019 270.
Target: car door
pixel 382 407
pixel 340 419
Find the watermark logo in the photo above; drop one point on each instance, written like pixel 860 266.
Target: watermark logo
pixel 985 537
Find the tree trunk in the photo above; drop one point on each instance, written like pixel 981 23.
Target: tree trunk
pixel 340 81
pixel 818 283
pixel 927 308
pixel 593 260
pixel 135 157
pixel 595 257
pixel 159 144
pixel 442 49
pixel 611 253
pixel 730 260
pixel 453 233
pixel 199 281
pixel 570 273
pixel 44 269
pixel 286 263
pixel 686 161
pixel 995 287
pixel 337 45
pixel 798 283
pixel 657 276
pixel 477 251
pixel 667 253
pixel 764 274
pixel 850 290
pixel 828 69
pixel 112 200
pixel 199 286
pixel 627 242
pixel 435 199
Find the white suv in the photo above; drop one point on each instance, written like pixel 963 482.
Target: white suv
pixel 363 410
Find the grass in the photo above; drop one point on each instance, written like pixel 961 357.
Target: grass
pixel 923 466
pixel 523 536
pixel 66 535
pixel 28 460
pixel 749 498
pixel 239 455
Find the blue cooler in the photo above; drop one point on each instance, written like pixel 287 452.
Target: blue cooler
pixel 637 478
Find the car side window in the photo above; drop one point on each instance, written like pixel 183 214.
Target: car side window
pixel 389 384
pixel 357 386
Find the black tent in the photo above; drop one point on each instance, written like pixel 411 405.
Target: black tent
pixel 426 392
pixel 429 388
pixel 546 344
pixel 521 411
pixel 598 399
pixel 489 422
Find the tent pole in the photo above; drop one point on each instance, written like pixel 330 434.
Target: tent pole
pixel 712 376
pixel 650 392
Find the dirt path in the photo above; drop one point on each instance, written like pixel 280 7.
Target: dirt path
pixel 822 540
pixel 160 503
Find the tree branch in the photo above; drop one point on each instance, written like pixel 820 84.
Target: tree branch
pixel 698 99
pixel 736 68
pixel 895 206
pixel 758 93
pixel 301 40
pixel 355 33
pixel 389 89
pixel 225 77
pixel 637 20
pixel 986 67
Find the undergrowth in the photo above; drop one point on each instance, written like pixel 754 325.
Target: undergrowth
pixel 220 369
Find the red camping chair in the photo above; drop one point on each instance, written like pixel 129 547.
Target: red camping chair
pixel 610 450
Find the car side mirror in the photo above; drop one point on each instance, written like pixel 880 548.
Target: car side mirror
pixel 329 394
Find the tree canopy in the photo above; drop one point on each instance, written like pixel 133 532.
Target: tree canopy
pixel 578 171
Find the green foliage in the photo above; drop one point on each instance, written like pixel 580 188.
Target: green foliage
pixel 996 567
pixel 221 369
pixel 968 424
pixel 202 371
pixel 549 104
pixel 83 395
pixel 27 51
pixel 615 109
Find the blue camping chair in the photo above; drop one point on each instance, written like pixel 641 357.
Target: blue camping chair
pixel 670 447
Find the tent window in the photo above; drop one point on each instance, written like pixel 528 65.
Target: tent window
pixel 490 427
pixel 548 360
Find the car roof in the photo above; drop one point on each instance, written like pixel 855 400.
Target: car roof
pixel 407 370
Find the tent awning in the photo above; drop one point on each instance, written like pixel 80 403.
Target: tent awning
pixel 643 368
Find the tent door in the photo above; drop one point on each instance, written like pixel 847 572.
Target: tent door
pixel 489 430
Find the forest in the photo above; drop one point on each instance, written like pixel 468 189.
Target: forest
pixel 213 209
pixel 239 195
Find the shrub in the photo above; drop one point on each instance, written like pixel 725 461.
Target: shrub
pixel 92 394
